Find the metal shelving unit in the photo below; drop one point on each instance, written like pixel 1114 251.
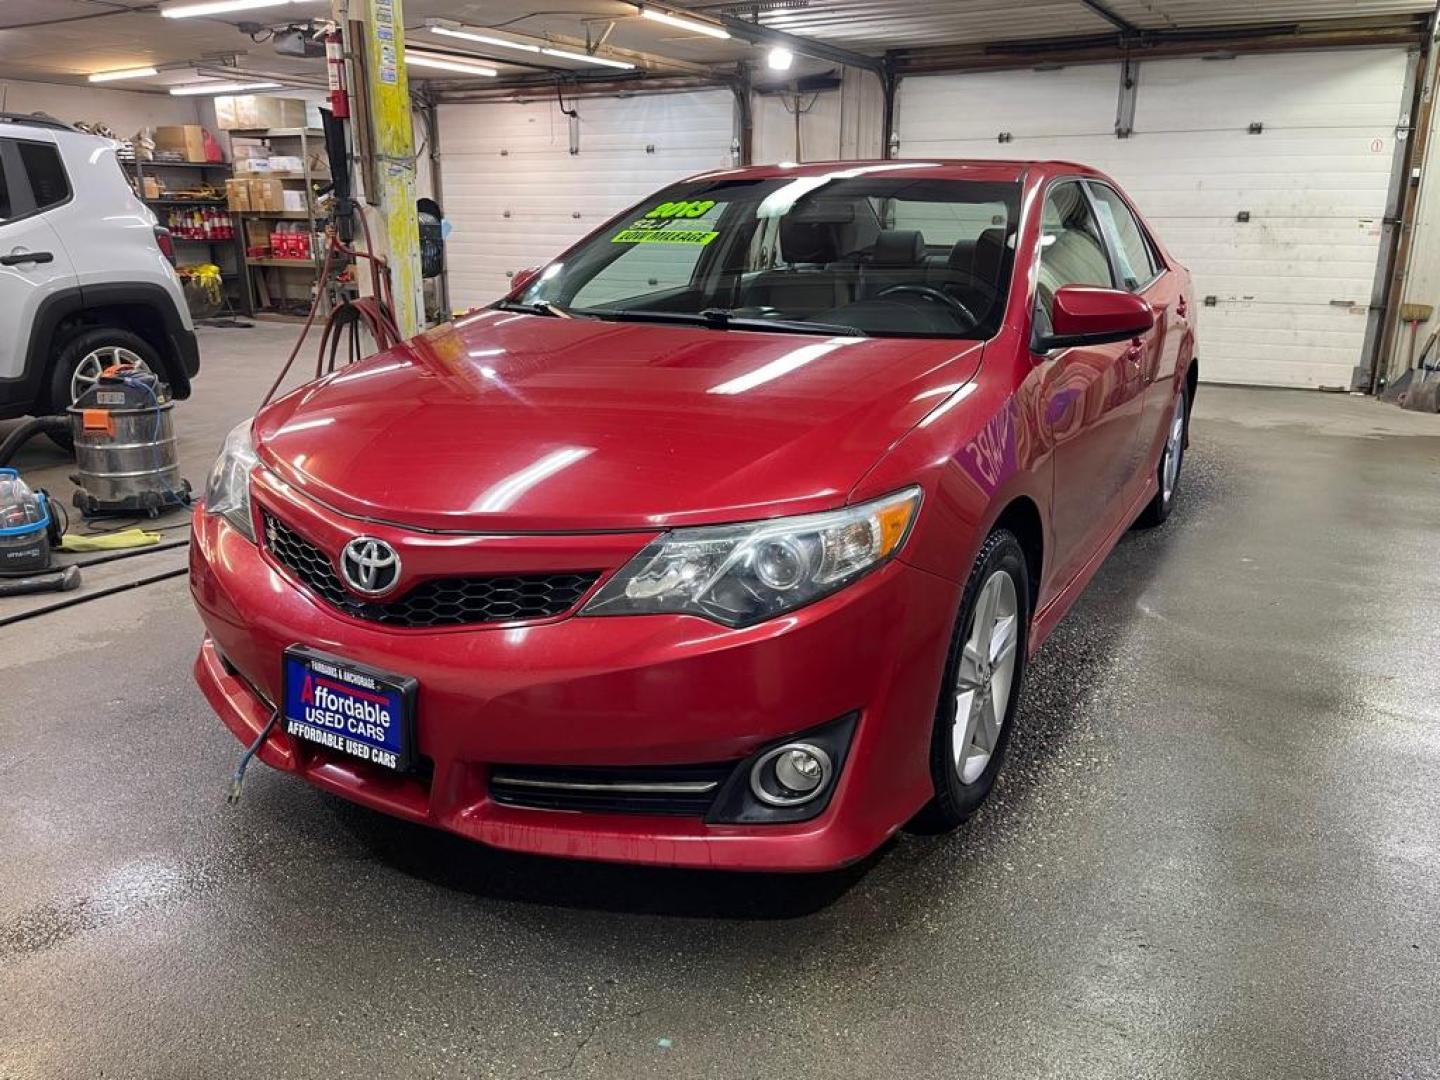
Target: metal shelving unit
pixel 283 141
pixel 165 204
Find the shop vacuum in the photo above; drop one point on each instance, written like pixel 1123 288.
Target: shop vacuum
pixel 29 532
pixel 124 437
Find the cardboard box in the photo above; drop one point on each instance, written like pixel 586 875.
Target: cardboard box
pixel 188 140
pixel 286 164
pixel 149 188
pixel 257 235
pixel 237 194
pixel 252 165
pixel 256 112
pixel 266 195
pixel 295 201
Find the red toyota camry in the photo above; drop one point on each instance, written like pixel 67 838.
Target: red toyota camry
pixel 724 540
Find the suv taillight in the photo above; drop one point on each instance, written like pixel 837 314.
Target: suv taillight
pixel 165 243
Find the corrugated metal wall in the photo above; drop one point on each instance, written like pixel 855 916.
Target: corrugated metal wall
pixel 1292 285
pixel 516 196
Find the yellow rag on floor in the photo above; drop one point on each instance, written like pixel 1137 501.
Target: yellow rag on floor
pixel 125 538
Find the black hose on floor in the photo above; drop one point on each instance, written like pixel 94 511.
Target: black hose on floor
pixel 83 598
pixel 36 425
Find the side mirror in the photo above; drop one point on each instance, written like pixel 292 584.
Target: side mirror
pixel 521 278
pixel 1086 315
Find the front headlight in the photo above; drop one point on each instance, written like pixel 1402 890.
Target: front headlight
pixel 740 574
pixel 227 491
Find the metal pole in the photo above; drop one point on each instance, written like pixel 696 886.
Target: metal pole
pixel 393 144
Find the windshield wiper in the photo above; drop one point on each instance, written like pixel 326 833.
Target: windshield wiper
pixel 538 307
pixel 722 319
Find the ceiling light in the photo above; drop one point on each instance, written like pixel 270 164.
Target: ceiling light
pixel 695 26
pixel 447 62
pixel 125 73
pixel 779 59
pixel 483 39
pixel 586 58
pixel 195 89
pixel 221 7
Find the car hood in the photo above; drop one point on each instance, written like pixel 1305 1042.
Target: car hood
pixel 506 422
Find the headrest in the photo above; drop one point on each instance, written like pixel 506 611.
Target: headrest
pixel 808 241
pixel 899 247
pixel 982 258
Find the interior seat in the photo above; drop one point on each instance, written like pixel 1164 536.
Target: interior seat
pixel 898 258
pixel 805 285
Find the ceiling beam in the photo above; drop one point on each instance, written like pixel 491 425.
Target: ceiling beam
pixel 1122 24
pixel 758 34
pixel 1403 30
pixel 644 60
pixel 535 88
pixel 284 78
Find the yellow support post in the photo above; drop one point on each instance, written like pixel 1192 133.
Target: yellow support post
pixel 392 141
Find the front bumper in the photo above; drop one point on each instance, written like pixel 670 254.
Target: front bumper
pixel 619 691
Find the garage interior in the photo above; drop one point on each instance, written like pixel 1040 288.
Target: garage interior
pixel 1214 849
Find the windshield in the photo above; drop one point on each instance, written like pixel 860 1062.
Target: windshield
pixel 850 252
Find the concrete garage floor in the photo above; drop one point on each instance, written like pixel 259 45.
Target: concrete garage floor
pixel 1215 850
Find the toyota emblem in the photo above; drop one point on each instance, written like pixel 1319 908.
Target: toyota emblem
pixel 369 566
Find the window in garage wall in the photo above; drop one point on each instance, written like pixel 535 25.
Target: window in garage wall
pixel 1292 284
pixel 516 197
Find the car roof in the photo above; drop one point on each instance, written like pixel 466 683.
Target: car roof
pixel 985 169
pixel 40 120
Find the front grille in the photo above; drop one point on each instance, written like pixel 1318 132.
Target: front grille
pixel 632 789
pixel 452 601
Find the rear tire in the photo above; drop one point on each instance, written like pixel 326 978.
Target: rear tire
pixel 85 355
pixel 980 690
pixel 1167 473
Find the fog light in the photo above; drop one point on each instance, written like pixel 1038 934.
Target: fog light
pixel 791 774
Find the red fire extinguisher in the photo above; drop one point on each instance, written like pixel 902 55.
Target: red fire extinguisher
pixel 335 68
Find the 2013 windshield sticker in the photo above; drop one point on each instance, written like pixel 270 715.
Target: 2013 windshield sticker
pixel 666 225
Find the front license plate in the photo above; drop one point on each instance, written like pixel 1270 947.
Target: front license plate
pixel 349 707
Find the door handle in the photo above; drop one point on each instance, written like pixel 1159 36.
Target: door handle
pixel 15 258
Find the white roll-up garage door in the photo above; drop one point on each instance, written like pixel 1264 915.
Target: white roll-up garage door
pixel 516 196
pixel 1283 297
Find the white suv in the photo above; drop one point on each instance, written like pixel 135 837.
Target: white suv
pixel 86 278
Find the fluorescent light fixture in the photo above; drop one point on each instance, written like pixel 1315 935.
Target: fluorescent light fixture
pixel 586 58
pixel 483 39
pixel 447 62
pixel 221 7
pixel 124 73
pixel 779 59
pixel 695 26
pixel 196 89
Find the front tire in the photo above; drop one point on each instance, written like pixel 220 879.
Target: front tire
pixel 980 692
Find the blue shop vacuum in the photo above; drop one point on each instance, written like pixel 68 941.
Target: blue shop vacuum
pixel 29 534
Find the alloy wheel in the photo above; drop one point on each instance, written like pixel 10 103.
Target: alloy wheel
pixel 94 364
pixel 985 676
pixel 1174 449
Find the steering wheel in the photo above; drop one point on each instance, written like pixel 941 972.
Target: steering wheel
pixel 925 292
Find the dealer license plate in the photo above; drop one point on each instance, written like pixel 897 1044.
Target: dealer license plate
pixel 349 707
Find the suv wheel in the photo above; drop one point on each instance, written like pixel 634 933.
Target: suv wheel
pixel 86 356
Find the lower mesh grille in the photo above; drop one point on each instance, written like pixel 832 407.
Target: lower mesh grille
pixel 663 789
pixel 438 601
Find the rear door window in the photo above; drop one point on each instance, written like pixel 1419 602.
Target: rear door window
pixel 46 173
pixel 4 191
